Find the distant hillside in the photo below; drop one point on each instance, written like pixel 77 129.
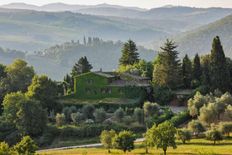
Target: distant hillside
pixel 8 55
pixel 58 60
pixel 101 54
pixel 33 30
pixel 200 40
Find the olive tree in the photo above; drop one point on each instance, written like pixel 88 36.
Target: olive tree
pixel 162 136
pixel 184 135
pixel 106 139
pixel 214 135
pixel 124 141
pixel 196 127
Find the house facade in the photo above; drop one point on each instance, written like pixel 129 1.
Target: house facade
pixel 99 85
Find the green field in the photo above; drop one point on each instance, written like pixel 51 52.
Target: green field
pixel 194 147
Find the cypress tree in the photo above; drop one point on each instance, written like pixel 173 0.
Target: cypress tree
pixel 197 71
pixel 129 54
pixel 206 70
pixel 187 71
pixel 82 66
pixel 219 71
pixel 167 66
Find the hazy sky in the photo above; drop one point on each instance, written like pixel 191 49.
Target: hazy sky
pixel 138 3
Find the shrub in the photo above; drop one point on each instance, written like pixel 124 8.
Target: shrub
pixel 127 120
pixel 60 119
pixel 5 149
pixel 150 109
pixel 196 127
pixel 183 135
pixel 88 111
pixel 77 117
pixel 26 146
pixel 119 114
pixel 162 95
pixel 48 135
pixel 180 118
pixel 225 128
pixel 139 115
pixel 214 135
pixel 99 115
pixel 67 111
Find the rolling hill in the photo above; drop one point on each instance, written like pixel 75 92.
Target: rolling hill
pixel 200 39
pixel 56 61
pixel 33 30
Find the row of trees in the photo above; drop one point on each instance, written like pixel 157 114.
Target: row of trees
pixel 162 136
pixel 167 70
pixel 212 70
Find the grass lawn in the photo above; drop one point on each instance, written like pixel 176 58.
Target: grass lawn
pixel 194 147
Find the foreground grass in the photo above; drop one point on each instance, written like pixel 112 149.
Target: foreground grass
pixel 195 147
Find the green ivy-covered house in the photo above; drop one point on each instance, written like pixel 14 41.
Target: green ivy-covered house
pixel 99 85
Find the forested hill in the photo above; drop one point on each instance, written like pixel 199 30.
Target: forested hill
pixel 34 30
pixel 31 30
pixel 101 54
pixel 199 40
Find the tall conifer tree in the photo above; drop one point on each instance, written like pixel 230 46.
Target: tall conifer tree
pixel 197 70
pixel 187 71
pixel 82 66
pixel 129 54
pixel 219 71
pixel 167 66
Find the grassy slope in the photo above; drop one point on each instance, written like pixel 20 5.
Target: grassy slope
pixel 195 147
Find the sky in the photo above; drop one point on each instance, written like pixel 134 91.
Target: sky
pixel 138 3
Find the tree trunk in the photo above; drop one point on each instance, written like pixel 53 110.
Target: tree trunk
pixel 146 150
pixel 165 151
pixel 214 142
pixel 183 141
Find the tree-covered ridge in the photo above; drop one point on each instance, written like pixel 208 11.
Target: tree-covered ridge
pixel 199 40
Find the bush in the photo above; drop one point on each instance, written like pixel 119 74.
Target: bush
pixel 139 115
pixel 99 115
pixel 214 135
pixel 5 149
pixel 183 135
pixel 150 109
pixel 77 117
pixel 162 95
pixel 128 120
pixel 49 134
pixel 26 146
pixel 119 114
pixel 196 127
pixel 180 118
pixel 60 119
pixel 225 128
pixel 67 111
pixel 88 111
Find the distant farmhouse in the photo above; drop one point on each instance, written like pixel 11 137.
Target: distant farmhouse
pixel 99 85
